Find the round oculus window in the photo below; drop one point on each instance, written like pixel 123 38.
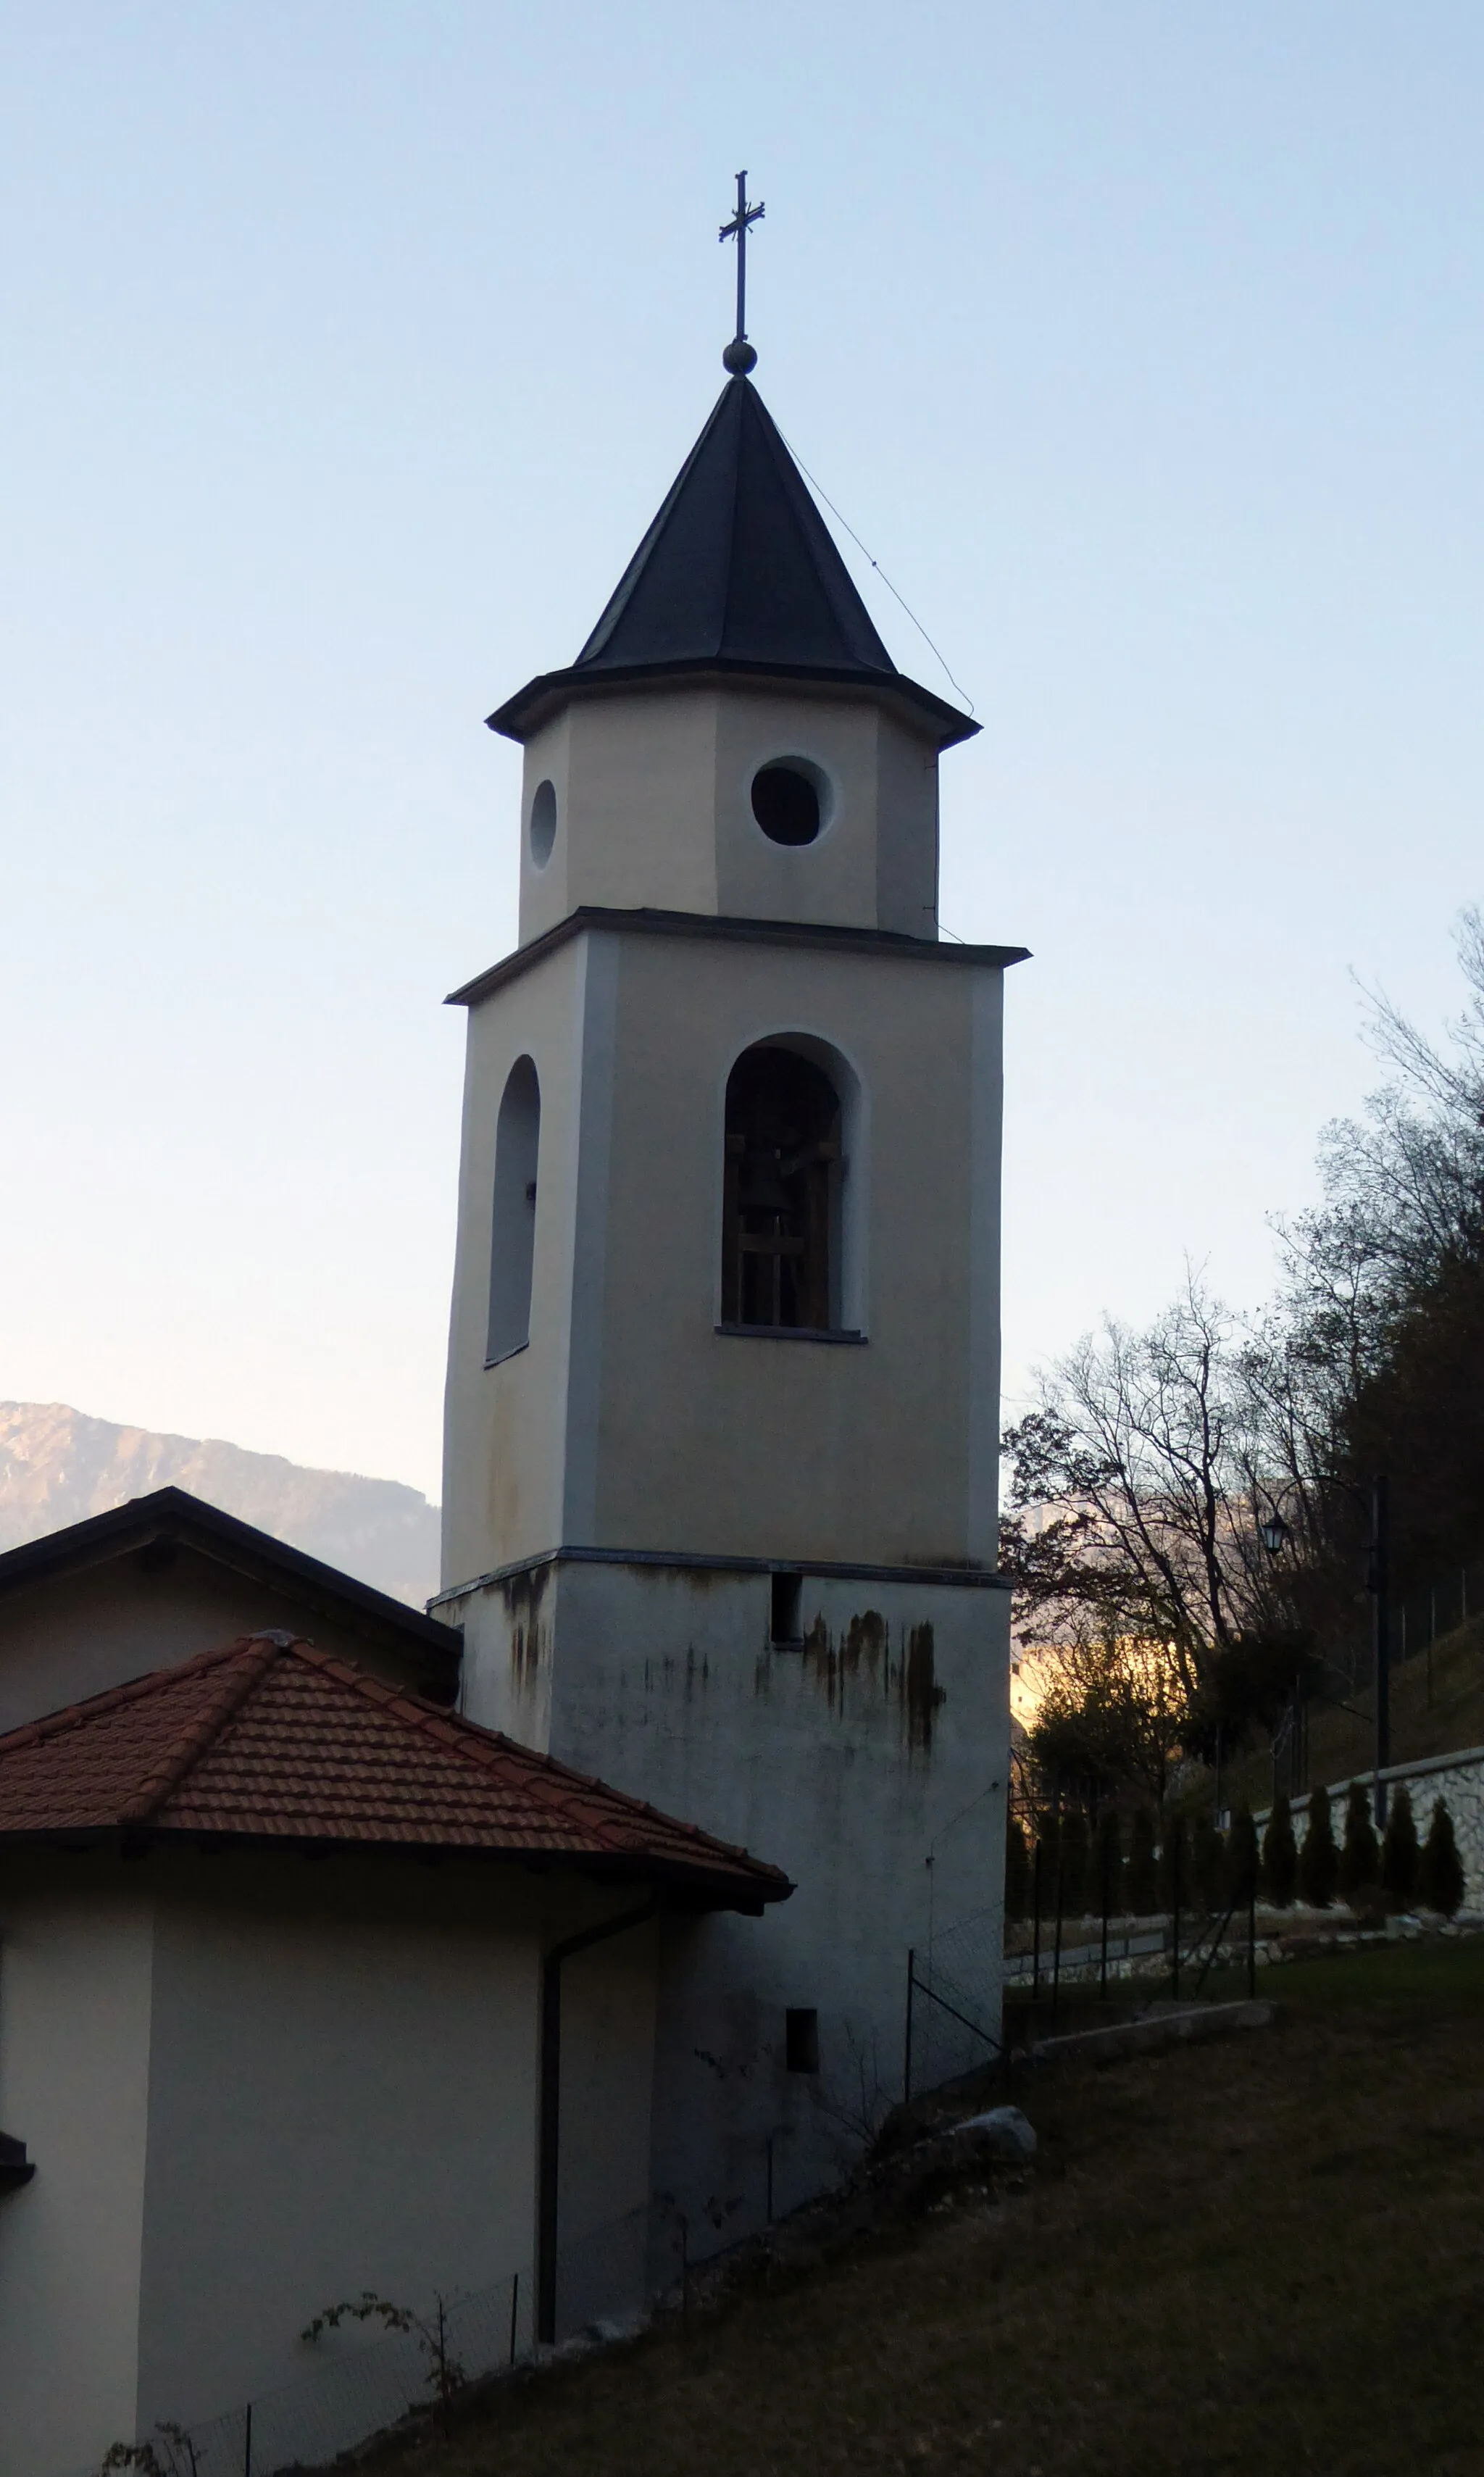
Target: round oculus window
pixel 789 800
pixel 543 823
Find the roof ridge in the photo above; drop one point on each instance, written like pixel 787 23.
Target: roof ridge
pixel 253 1655
pixel 271 1742
pixel 730 562
pixel 134 1690
pixel 480 1745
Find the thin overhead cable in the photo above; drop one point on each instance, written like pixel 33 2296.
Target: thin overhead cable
pixel 879 570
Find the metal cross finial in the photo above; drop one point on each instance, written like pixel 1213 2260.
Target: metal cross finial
pixel 739 357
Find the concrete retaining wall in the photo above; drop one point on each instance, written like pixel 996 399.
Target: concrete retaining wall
pixel 1457 1778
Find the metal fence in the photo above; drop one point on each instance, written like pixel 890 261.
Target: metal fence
pixel 1436 1609
pixel 372 2377
pixel 953 2001
pixel 1419 1619
pixel 1174 1956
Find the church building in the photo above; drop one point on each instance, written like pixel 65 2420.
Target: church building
pixel 517 1950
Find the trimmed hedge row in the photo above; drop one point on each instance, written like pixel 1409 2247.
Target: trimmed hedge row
pixel 1140 1870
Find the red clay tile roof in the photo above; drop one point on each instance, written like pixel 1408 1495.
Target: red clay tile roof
pixel 269 1739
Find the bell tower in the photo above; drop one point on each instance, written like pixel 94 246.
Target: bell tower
pixel 720 1485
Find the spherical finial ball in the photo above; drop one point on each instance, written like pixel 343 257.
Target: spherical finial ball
pixel 739 358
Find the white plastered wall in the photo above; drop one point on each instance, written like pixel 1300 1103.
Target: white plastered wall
pixel 504 1429
pixel 76 1980
pixel 254 2087
pixel 607 2053
pixel 630 1422
pixel 654 806
pixel 342 2096
pixel 70 1636
pixel 782 1448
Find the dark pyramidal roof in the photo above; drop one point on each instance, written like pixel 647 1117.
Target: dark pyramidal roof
pixel 736 573
pixel 738 565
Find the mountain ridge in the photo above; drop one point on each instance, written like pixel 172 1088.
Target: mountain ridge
pixel 58 1466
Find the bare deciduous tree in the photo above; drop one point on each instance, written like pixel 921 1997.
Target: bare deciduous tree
pixel 1144 1444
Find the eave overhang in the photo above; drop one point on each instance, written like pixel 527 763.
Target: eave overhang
pixel 684 1887
pixel 543 698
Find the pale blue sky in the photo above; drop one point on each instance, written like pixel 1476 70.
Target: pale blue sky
pixel 347 350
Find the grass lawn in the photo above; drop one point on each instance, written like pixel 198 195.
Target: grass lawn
pixel 1265 2254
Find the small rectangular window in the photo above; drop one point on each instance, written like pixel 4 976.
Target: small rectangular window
pixel 801 2038
pixel 787 1624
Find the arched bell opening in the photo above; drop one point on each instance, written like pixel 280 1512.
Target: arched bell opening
pixel 518 1138
pixel 781 1197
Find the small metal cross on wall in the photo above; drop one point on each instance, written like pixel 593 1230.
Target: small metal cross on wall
pixel 739 357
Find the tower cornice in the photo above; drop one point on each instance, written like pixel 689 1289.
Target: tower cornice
pixel 822 937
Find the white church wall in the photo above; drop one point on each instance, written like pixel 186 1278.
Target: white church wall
pixel 629 831
pixel 985 1117
pixel 788 1447
pixel 836 878
pixel 76 1951
pixel 653 794
pixel 543 898
pixel 254 2087
pixel 73 1635
pixel 504 1425
pixel 907 835
pixel 629 1420
pixel 609 1996
pixel 343 2097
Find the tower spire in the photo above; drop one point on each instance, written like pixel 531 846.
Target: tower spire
pixel 739 357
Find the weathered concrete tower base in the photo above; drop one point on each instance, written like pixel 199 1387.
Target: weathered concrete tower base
pixel 848 1755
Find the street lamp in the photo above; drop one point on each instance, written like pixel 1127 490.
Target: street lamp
pixel 1273 1532
pixel 1375 1504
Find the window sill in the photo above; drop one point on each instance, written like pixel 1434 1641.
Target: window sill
pixel 514 1352
pixel 789 1332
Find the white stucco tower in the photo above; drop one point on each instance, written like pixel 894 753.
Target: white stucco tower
pixel 722 1406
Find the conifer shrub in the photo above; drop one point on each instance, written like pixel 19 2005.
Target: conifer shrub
pixel 1175 1865
pixel 1108 1864
pixel 1401 1855
pixel 1143 1872
pixel 1074 1858
pixel 1048 1840
pixel 1280 1855
pixel 1208 1868
pixel 1441 1876
pixel 1018 1872
pixel 1242 1866
pixel 1360 1859
pixel 1318 1860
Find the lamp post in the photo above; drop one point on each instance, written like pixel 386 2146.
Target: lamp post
pixel 1375 1504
